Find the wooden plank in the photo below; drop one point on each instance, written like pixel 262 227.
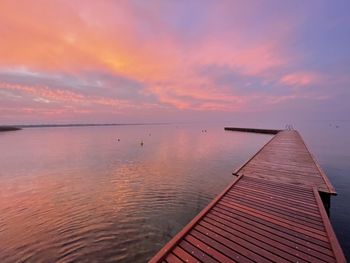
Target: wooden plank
pixel 212 248
pixel 279 207
pixel 171 258
pixel 248 251
pixel 308 230
pixel 274 205
pixel 286 232
pixel 267 237
pixel 186 257
pixel 197 252
pixel 216 249
pixel 263 245
pixel 270 193
pixel 291 202
pixel 292 217
pixel 276 186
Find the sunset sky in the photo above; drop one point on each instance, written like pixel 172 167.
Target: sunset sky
pixel 162 61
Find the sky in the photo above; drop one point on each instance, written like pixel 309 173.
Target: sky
pixel 87 61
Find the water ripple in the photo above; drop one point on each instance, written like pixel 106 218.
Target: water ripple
pixel 75 196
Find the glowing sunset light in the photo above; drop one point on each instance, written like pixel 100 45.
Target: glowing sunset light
pixel 132 61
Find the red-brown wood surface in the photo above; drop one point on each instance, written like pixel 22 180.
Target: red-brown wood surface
pixel 272 212
pixel 286 159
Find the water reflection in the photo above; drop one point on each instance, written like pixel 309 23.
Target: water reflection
pixel 79 194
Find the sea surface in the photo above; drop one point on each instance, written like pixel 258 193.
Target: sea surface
pixel 77 194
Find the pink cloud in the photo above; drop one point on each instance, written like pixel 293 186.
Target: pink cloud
pixel 301 79
pixel 152 46
pixel 51 95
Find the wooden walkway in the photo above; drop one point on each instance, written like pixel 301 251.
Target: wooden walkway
pixel 272 212
pixel 286 159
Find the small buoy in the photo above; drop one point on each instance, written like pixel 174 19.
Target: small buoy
pixel 118 140
pixel 149 134
pixel 141 143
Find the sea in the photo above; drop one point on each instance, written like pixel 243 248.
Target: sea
pixel 120 193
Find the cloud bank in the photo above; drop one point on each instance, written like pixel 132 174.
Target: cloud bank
pixel 98 61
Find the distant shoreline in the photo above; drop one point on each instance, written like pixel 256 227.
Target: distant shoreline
pixel 19 127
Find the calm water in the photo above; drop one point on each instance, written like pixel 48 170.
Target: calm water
pixel 77 194
pixel 330 143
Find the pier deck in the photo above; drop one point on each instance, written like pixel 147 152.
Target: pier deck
pixel 272 212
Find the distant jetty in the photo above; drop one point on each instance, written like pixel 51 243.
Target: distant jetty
pixel 9 128
pixel 254 130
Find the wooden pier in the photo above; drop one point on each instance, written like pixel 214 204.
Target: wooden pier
pixel 9 128
pixel 271 212
pixel 253 130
